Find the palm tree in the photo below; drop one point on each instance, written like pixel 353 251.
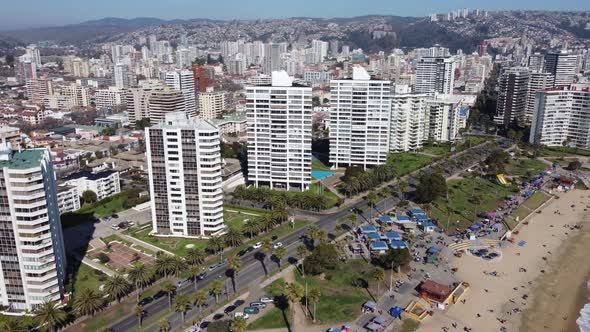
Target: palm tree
pixel 88 302
pixel 267 222
pixel 200 299
pixel 163 325
pixel 139 311
pixel 164 265
pixel 251 227
pixel 314 297
pixel 140 276
pixel 280 252
pixel 294 293
pixel 48 313
pixel 194 272
pixel 378 276
pixel 216 288
pixel 195 257
pixel 267 245
pixel 352 220
pixel 234 263
pixel 338 228
pixel 372 199
pixel 385 193
pixel 169 289
pixel 182 305
pixel 239 324
pixel 233 237
pixel 215 244
pixel 178 266
pixel 322 236
pixel 12 325
pixel 280 214
pixel 312 232
pixel 301 253
pixel 117 286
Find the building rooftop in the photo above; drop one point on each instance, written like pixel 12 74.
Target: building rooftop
pixel 89 175
pixel 181 120
pixel 23 159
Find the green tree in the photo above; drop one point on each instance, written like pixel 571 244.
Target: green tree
pixel 108 131
pixel 251 227
pixel 164 265
pixel 280 252
pixel 323 257
pixel 89 196
pixel 314 297
pixel 142 124
pixel 233 237
pixel 378 275
pixel 239 324
pixel 195 257
pixel 267 246
pixel 140 276
pixel 200 299
pixel 301 253
pixel 216 288
pixel 178 266
pixel 169 289
pixel 235 264
pixel 294 293
pixel 312 232
pixel 215 244
pixel 13 325
pixel 117 286
pixel 193 272
pixel 87 302
pixel 372 199
pixel 430 186
pixel 182 305
pixel 50 315
pixel 393 258
pixel 139 311
pixel 163 325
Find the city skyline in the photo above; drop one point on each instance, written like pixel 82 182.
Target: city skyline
pixel 20 15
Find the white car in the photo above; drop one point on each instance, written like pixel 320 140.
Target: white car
pixel 115 227
pixel 241 314
pixel 277 245
pixel 257 245
pixel 266 300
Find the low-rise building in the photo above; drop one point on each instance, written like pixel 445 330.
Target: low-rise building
pixel 103 184
pixel 68 198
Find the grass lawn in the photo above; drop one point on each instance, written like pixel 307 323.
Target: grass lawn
pixel 317 165
pixel 560 151
pixel 407 162
pixel 88 278
pixel 173 244
pixel 410 325
pixel 340 300
pixel 439 150
pixel 106 317
pixel 536 200
pixel 525 167
pixel 521 212
pixel 236 219
pixel 332 198
pixel 463 208
pixel 273 319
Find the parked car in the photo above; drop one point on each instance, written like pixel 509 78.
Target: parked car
pixel 241 314
pixel 193 329
pixel 159 295
pixel 257 304
pixel 182 283
pixel 115 227
pixel 229 309
pixel 277 245
pixel 202 276
pixel 266 300
pixel 115 215
pixel 257 245
pixel 145 301
pixel 251 311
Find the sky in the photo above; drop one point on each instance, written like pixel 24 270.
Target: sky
pixel 18 14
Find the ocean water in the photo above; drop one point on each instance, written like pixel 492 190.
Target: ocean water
pixel 584 320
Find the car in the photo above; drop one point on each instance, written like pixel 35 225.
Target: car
pixel 222 263
pixel 115 215
pixel 217 316
pixel 213 267
pixel 202 276
pixel 194 329
pixel 257 245
pixel 266 300
pixel 229 309
pixel 145 301
pixel 238 303
pixel 249 249
pixel 251 311
pixel 182 283
pixel 257 304
pixel 115 227
pixel 277 245
pixel 204 324
pixel 159 295
pixel 241 314
pixel 130 223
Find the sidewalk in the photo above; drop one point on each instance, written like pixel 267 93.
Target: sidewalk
pixel 99 267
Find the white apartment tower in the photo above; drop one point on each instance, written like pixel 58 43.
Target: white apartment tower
pixel 32 255
pixel 442 120
pixel 184 82
pixel 360 114
pixel 562 66
pixel 211 104
pixel 538 81
pixel 121 77
pixel 184 163
pixel 165 101
pixel 279 134
pixel 435 75
pixel 562 115
pixel 408 119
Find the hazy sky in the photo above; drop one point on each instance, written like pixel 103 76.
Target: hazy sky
pixel 19 13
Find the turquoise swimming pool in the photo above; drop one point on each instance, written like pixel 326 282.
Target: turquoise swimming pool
pixel 318 175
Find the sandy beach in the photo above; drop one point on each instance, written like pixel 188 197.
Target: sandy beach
pixel 539 286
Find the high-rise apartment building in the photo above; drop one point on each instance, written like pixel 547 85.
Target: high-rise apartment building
pixel 183 81
pixel 184 163
pixel 121 76
pixel 408 119
pixel 137 99
pixel 536 62
pixel 32 255
pixel 166 101
pixel 39 88
pixel 211 104
pixel 442 121
pixel 538 81
pixel 107 98
pixel 435 75
pixel 512 96
pixel 200 79
pixel 562 116
pixel 360 113
pixel 25 68
pixel 272 58
pixel 562 66
pixel 279 134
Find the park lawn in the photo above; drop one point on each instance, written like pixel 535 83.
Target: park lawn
pixel 536 200
pixel 88 278
pixel 521 212
pixel 407 162
pixel 560 151
pixel 106 317
pixel 235 216
pixel 318 187
pixel 525 167
pixel 340 301
pixel 107 206
pixel 460 193
pixel 410 325
pixel 115 237
pixel 174 245
pixel 272 319
pixel 317 165
pixel 439 150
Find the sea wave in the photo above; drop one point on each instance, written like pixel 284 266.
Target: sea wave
pixel 584 320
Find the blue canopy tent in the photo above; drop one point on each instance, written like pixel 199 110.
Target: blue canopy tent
pixel 478 224
pixel 432 250
pixel 378 246
pixel 373 236
pixel 385 219
pixel 428 226
pixel 370 305
pixel 399 244
pixel 402 218
pixel 379 320
pixel 368 229
pixel 421 218
pixel 391 236
pixel 396 312
pixel 415 212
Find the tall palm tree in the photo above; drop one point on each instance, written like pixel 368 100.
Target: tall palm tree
pixel 215 244
pixel 385 193
pixel 194 271
pixel 314 297
pixel 267 246
pixel 301 253
pixel 233 237
pixel 338 228
pixel 87 302
pixel 352 220
pixel 239 324
pixel 182 304
pixel 164 265
pixel 294 293
pixel 117 286
pixel 140 276
pixel 139 311
pixel 216 288
pixel 178 266
pixel 195 257
pixel 163 325
pixel 200 299
pixel 235 264
pixel 372 199
pixel 267 222
pixel 169 289
pixel 280 252
pixel 280 214
pixel 251 227
pixel 13 325
pixel 322 235
pixel 378 276
pixel 312 232
pixel 49 314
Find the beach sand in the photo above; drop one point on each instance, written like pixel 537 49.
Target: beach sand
pixel 557 291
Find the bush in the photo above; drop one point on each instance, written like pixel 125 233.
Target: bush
pixel 103 258
pixel 324 257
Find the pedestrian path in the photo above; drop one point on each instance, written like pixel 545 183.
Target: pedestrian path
pixel 145 244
